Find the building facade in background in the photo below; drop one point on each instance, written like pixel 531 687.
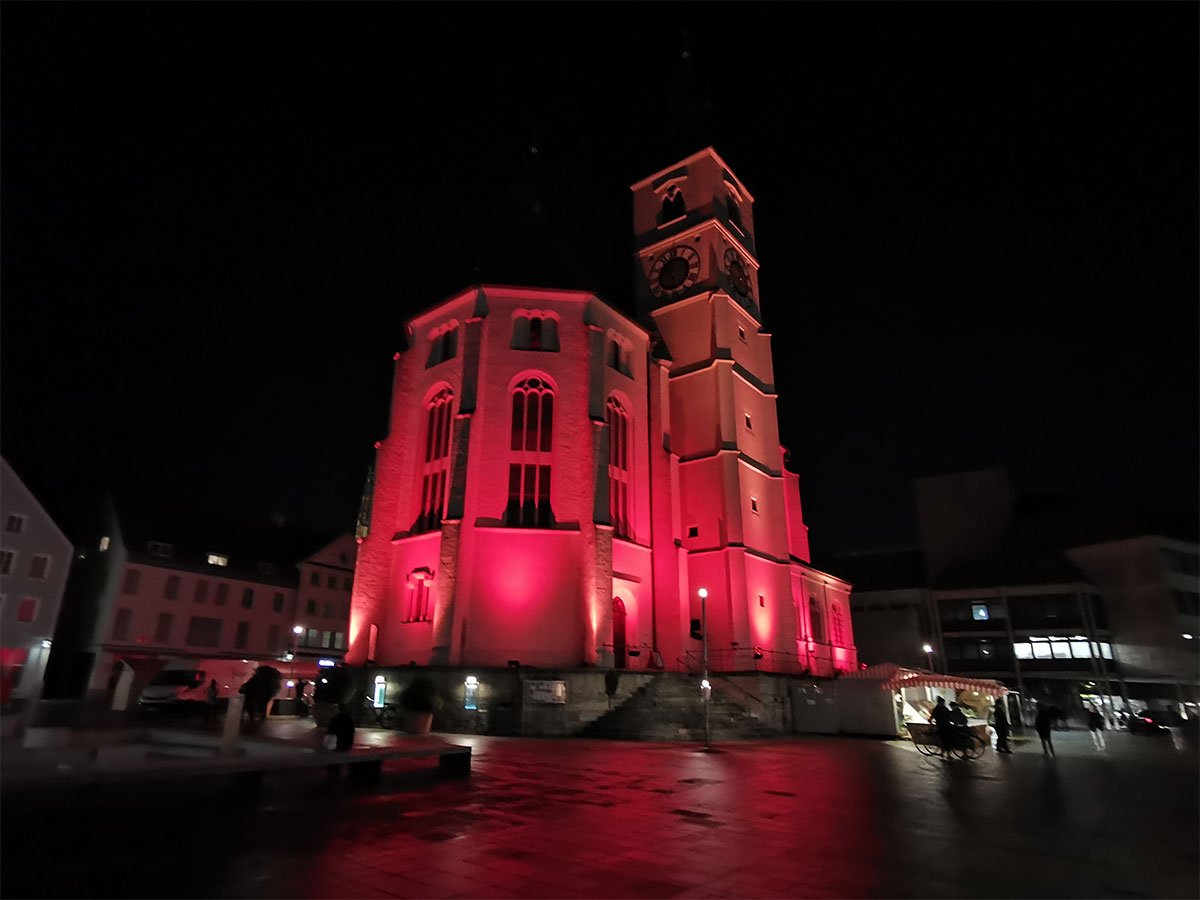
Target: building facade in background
pixel 1020 597
pixel 35 560
pixel 560 481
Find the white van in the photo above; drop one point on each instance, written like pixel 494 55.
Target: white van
pixel 184 681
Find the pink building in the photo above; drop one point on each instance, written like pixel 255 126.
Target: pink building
pixel 560 481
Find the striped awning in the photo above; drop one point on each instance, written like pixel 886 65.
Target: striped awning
pixel 951 682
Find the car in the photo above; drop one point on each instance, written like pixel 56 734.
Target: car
pixel 1150 721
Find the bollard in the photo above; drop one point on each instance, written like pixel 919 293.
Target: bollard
pixel 233 723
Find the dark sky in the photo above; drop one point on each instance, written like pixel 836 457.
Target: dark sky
pixel 977 226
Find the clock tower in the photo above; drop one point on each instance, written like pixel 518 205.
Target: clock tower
pixel 740 523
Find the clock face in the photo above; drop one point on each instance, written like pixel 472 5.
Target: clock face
pixel 674 272
pixel 737 272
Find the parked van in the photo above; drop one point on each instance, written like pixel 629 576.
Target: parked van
pixel 183 682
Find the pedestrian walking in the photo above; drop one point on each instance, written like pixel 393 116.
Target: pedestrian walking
pixel 210 704
pixel 1041 724
pixel 1175 720
pixel 339 735
pixel 1000 718
pixel 1095 723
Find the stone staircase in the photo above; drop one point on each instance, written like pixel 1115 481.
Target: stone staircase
pixel 669 708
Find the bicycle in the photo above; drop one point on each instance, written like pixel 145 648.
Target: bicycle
pixel 967 746
pixel 386 716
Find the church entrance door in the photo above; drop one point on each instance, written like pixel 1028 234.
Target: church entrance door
pixel 618 633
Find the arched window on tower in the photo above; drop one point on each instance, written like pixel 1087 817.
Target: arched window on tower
pixel 533 330
pixel 618 469
pixel 673 206
pixel 816 621
pixel 735 212
pixel 530 455
pixel 443 344
pixel 436 465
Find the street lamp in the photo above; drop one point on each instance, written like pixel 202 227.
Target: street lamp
pixel 705 687
pixel 928 648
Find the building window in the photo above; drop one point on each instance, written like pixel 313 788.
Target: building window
pixel 748 425
pixel 673 206
pixel 314 578
pixel 836 624
pixel 14 524
pixel 1023 650
pixel 311 637
pixel 979 612
pixel 735 213
pixel 331 582
pixel 693 531
pixel 248 598
pixel 741 333
pixel 530 459
pixel 277 603
pixel 104 542
pixel 121 624
pixel 330 610
pixel 242 636
pixel 7 558
pixel 201 595
pixel 535 331
pixel 419 607
pixel 172 590
pixel 619 354
pixel 326 639
pixel 816 622
pixel 339 640
pixel 133 581
pixel 436 468
pixel 312 607
pixel 27 609
pixel 754 504
pixel 618 469
pixel 203 632
pixel 222 594
pixel 443 344
pixel 159 549
pixel 38 565
pixel 347 583
pixel 273 639
pixel 218 559
pixel 762 602
pixel 162 630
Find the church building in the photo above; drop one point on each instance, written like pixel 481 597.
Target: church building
pixel 560 482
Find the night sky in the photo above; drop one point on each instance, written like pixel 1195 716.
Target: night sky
pixel 977 225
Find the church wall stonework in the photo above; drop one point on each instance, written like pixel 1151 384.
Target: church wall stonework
pixel 708 503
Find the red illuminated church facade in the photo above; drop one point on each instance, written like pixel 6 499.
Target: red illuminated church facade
pixel 559 480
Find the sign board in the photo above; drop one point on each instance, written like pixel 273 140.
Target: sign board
pixel 545 692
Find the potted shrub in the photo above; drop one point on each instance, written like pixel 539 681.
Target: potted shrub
pixel 420 700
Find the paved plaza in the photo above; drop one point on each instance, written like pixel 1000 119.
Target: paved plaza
pixel 799 817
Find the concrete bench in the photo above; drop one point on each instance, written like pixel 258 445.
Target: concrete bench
pixel 364 764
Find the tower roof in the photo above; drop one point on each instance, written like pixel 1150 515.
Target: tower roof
pixel 706 152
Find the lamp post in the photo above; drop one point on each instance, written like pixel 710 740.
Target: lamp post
pixel 928 648
pixel 297 630
pixel 705 687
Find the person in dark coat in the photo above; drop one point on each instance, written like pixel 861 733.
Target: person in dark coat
pixel 1095 723
pixel 1041 724
pixel 1001 720
pixel 341 726
pixel 945 724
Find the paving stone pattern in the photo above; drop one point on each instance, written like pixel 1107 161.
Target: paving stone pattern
pixel 589 818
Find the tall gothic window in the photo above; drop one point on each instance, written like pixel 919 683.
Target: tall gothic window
pixel 618 468
pixel 436 467
pixel 530 455
pixel 837 636
pixel 816 620
pixel 419 605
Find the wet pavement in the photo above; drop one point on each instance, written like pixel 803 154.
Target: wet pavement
pixel 802 817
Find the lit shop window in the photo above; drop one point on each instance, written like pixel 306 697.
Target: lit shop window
pixel 218 559
pixel 979 612
pixel 432 504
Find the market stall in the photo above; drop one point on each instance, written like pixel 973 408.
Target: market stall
pixel 886 698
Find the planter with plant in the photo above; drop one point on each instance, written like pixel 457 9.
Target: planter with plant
pixel 420 701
